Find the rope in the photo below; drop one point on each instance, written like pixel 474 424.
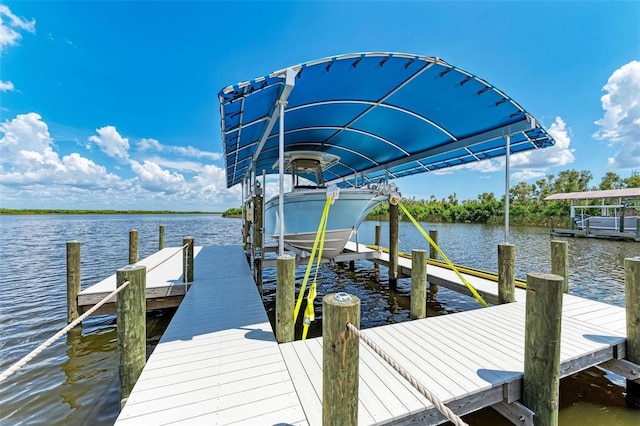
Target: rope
pixel 472 289
pixel 446 411
pixel 15 367
pixel 9 371
pixel 176 252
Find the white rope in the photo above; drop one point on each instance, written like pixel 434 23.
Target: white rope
pixel 176 252
pixel 15 367
pixel 455 419
pixel 9 371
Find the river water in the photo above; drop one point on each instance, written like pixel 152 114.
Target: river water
pixel 75 381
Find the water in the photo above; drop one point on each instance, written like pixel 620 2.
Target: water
pixel 75 381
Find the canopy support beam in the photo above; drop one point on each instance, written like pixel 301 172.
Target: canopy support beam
pixel 499 132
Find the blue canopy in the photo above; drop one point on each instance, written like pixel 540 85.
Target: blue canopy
pixel 383 114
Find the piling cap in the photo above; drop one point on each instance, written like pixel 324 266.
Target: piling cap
pixel 342 297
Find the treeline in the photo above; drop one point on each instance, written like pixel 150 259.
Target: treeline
pixel 233 212
pixel 63 211
pixel 526 201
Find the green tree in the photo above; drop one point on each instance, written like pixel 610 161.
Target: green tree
pixel 632 181
pixel 611 180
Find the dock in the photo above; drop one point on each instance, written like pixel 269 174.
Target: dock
pixel 165 286
pixel 217 365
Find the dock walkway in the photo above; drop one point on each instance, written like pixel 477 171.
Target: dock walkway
pixel 218 361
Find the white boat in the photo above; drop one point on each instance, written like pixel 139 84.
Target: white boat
pixel 606 223
pixel 304 205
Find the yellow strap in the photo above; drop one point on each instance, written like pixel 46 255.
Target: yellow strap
pixel 309 314
pixel 319 233
pixel 446 259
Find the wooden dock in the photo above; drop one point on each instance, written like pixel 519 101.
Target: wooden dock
pixel 165 286
pixel 219 363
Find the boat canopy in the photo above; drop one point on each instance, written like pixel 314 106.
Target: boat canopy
pixel 385 115
pixel 593 195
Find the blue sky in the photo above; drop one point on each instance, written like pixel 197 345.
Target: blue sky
pixel 114 104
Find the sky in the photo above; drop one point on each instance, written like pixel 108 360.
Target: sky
pixel 113 105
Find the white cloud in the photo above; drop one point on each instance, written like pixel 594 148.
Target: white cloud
pixel 620 124
pixel 9 34
pixel 149 144
pixel 541 159
pixel 6 86
pixel 28 158
pixel 153 177
pixel 111 143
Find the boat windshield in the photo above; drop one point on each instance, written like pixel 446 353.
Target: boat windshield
pixel 307 173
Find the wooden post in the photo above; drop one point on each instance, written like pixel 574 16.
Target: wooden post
pixel 73 280
pixel 257 239
pixel 433 234
pixel 622 219
pixel 187 260
pixel 132 325
pixel 418 284
pixel 161 238
pixel 586 227
pixel 632 302
pixel 340 359
pixel 393 245
pixel 352 265
pixel 376 267
pixel 133 247
pixel 560 262
pixel 285 298
pixel 542 347
pixel 506 273
pixel 638 229
pixel 551 225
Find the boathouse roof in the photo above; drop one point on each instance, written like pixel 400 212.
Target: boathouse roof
pixel 592 195
pixel 383 114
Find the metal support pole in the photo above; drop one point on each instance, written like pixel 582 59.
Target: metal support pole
pixel 506 191
pixel 281 183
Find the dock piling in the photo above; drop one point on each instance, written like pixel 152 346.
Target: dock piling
pixel 541 381
pixel 340 359
pixel 133 247
pixel 418 284
pixel 632 302
pixel 506 273
pixel 560 262
pixel 73 280
pixel 433 253
pixel 160 237
pixel 257 239
pixel 285 298
pixel 132 326
pixel 187 256
pixel 393 245
pixel 376 267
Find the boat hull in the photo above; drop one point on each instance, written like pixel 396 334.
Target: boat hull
pixel 303 211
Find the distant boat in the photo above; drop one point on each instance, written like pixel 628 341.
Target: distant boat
pixel 303 206
pixel 606 223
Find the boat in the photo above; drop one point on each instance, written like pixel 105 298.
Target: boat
pixel 607 223
pixel 305 203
